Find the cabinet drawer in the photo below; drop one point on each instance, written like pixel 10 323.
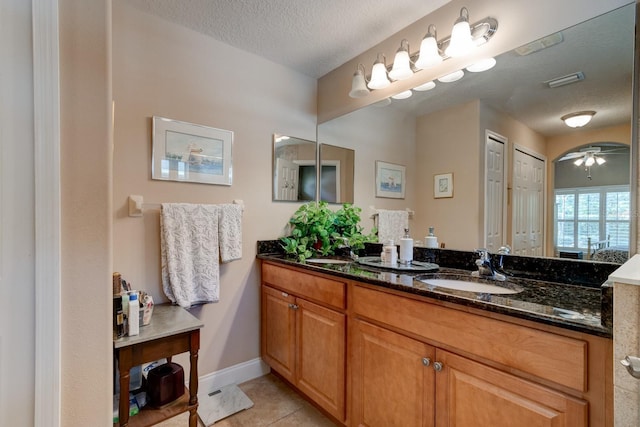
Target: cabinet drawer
pixel 546 355
pixel 320 289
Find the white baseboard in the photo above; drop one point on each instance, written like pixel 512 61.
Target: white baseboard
pixel 235 374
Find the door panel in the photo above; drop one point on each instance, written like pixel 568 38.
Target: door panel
pixel 278 323
pixel 391 385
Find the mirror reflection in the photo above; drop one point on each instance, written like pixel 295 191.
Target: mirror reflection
pixel 336 174
pixel 294 169
pixel 501 135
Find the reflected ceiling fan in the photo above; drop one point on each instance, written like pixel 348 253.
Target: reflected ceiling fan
pixel 588 156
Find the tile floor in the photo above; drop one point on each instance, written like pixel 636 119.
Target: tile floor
pixel 275 404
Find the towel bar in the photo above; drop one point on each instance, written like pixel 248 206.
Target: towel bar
pixel 137 205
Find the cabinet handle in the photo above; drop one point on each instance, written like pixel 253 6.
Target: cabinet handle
pixel 284 294
pixel 426 361
pixel 437 366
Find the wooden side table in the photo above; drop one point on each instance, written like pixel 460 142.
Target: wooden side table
pixel 173 330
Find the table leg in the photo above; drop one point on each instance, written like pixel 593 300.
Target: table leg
pixel 194 347
pixel 124 364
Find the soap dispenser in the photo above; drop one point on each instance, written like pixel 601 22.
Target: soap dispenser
pixel 431 241
pixel 406 249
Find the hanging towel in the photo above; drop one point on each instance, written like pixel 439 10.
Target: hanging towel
pixel 391 225
pixel 190 253
pixel 230 232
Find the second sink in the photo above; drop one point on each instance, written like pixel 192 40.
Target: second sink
pixel 461 285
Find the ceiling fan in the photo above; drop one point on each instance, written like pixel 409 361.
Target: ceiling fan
pixel 587 156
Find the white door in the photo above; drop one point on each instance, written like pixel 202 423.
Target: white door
pixel 528 203
pixel 287 174
pixel 495 183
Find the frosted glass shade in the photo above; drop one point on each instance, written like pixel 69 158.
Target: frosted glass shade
pixel 429 54
pixel 401 67
pixel 461 42
pixel 379 79
pixel 358 86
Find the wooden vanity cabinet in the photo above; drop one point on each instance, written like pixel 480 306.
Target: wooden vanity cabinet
pixel 304 334
pixel 409 367
pixel 414 361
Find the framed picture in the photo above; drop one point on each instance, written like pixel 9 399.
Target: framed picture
pixel 443 185
pixel 390 180
pixel 190 153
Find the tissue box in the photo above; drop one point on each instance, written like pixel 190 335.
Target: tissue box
pixel 165 383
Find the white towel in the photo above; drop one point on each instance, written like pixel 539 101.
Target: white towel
pixel 189 250
pixel 230 232
pixel 391 225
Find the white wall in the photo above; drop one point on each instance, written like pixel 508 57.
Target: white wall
pixel 166 70
pixel 17 234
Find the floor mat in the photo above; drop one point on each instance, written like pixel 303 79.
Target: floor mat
pixel 221 403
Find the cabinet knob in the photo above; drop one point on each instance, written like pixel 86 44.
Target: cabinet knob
pixel 437 366
pixel 293 306
pixel 426 361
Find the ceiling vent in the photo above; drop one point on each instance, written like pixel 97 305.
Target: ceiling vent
pixel 565 80
pixel 540 44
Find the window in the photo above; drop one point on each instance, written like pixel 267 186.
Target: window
pixel 597 213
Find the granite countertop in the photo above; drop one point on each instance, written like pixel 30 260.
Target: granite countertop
pixel 582 308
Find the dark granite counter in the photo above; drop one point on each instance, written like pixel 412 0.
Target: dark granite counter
pixel 576 299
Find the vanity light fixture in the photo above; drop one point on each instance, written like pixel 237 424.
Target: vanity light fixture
pixel 451 77
pixel 579 119
pixel 464 38
pixel 401 64
pixel 429 52
pixel 461 42
pixel 482 65
pixel 359 84
pixel 379 79
pixel 403 95
pixel 425 86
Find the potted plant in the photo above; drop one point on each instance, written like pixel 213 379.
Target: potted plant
pixel 316 230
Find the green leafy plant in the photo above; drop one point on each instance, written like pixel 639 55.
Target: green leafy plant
pixel 316 230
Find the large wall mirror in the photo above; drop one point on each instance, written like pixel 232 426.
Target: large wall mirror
pixel 294 169
pixel 501 135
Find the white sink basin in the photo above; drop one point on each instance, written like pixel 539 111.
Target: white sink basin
pixel 328 261
pixel 461 285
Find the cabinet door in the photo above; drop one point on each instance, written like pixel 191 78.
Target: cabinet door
pixel 321 337
pixel 393 381
pixel 278 331
pixel 472 394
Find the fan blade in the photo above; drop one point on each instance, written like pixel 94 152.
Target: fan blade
pixel 570 156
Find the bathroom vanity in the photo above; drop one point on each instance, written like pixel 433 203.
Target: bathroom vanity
pixel 374 347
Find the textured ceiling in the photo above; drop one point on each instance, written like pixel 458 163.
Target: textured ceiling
pixel 311 36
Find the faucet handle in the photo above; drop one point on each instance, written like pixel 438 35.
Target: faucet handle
pixel 484 254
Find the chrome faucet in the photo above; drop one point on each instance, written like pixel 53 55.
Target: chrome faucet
pixel 485 267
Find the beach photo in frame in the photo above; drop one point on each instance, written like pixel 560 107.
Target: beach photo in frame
pixel 189 152
pixel 443 185
pixel 390 180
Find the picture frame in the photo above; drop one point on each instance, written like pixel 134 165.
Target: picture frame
pixel 188 152
pixel 390 180
pixel 443 185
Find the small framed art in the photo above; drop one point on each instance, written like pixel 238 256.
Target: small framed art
pixel 390 180
pixel 443 185
pixel 188 152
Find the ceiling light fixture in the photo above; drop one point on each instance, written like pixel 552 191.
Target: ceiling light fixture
pixel 429 52
pixel 401 64
pixel 359 84
pixel 464 38
pixel 461 42
pixel 579 119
